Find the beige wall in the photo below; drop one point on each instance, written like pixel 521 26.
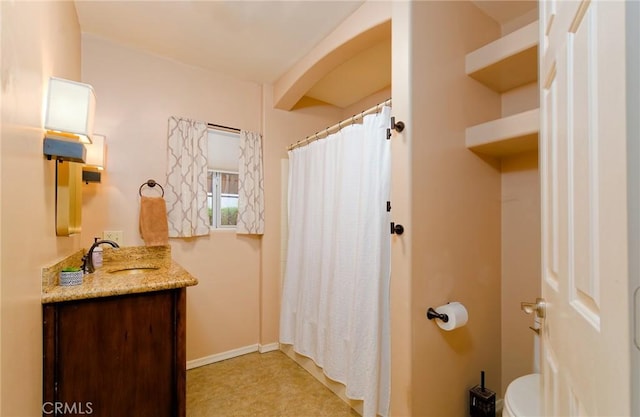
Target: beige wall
pixel 39 40
pixel 136 93
pixel 520 237
pixel 520 99
pixel 455 210
pixel 520 243
pixel 401 183
pixel 366 103
pixel 520 261
pixel 519 21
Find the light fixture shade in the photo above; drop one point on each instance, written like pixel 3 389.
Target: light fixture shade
pixel 96 152
pixel 70 108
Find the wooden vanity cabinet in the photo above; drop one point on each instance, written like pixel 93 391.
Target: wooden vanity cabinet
pixel 116 356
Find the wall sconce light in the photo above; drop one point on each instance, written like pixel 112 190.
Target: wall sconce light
pixel 69 119
pixel 96 159
pixel 70 110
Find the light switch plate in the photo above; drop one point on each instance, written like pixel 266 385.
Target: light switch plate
pixel 115 235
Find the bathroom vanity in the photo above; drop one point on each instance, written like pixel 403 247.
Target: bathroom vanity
pixel 115 345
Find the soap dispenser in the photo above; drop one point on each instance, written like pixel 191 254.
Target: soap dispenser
pixel 96 257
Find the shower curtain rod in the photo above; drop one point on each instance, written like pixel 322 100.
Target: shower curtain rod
pixel 339 125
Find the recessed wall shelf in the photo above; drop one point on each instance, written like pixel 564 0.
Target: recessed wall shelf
pixel 505 136
pixel 507 63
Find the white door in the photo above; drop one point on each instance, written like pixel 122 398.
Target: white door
pixel 585 338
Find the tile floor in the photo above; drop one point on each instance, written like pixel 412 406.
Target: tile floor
pixel 260 385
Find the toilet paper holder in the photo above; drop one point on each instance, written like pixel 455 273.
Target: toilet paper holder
pixel 433 314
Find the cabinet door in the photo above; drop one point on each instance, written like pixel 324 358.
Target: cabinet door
pixel 116 356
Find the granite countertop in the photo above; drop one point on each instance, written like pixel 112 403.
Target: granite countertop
pixel 115 277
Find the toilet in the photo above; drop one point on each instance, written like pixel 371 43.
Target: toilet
pixel 522 398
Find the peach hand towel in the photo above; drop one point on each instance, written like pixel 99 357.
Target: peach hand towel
pixel 153 221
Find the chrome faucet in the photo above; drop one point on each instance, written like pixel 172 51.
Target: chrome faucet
pixel 87 260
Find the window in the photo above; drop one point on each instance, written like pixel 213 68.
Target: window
pixel 222 179
pixel 223 199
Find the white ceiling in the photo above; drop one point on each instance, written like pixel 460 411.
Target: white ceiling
pixel 254 40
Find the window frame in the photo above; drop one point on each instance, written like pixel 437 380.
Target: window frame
pixel 215 194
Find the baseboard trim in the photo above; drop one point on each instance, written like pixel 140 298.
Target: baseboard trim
pixel 207 360
pixel 268 347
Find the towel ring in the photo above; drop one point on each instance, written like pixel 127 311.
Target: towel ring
pixel 150 183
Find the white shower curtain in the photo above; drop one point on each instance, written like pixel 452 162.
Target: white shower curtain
pixel 335 301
